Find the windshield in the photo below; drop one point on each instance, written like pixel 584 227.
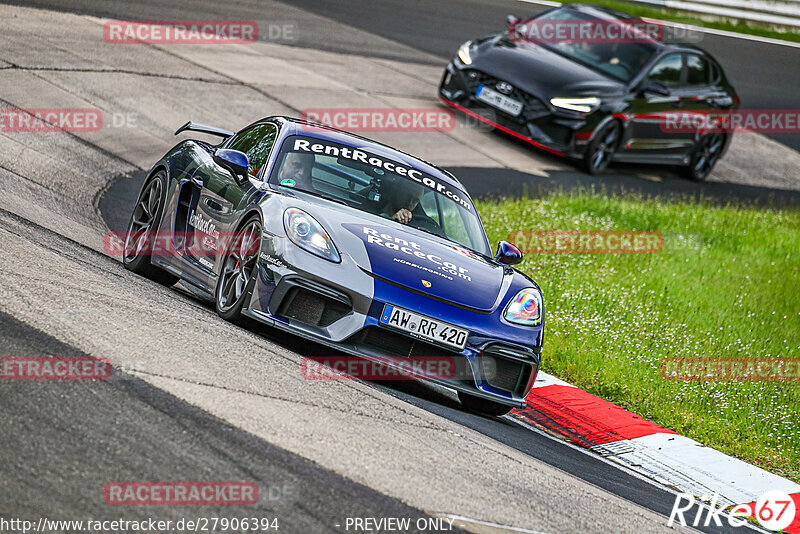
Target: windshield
pixel 380 186
pixel 620 58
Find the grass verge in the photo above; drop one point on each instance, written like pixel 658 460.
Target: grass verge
pixel 727 284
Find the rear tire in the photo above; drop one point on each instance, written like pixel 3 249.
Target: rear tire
pixel 704 157
pixel 143 224
pixel 480 405
pixel 602 147
pixel 238 270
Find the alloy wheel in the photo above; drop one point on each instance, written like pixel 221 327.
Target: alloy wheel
pixel 142 220
pixel 239 266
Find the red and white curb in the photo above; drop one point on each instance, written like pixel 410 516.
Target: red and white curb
pixel 647 448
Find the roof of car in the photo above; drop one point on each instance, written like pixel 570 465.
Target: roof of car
pixel 303 127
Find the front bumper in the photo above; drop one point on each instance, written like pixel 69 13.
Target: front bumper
pixel 342 308
pixel 561 134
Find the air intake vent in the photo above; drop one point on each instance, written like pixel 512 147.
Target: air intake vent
pixel 503 371
pixel 311 308
pixel 387 343
pixel 395 344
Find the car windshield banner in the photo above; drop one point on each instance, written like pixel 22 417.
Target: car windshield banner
pixel 311 145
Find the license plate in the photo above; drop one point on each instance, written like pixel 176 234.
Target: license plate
pixel 424 327
pixel 500 101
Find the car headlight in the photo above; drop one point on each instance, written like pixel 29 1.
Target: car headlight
pixel 525 308
pixel 305 232
pixel 584 105
pixel 463 53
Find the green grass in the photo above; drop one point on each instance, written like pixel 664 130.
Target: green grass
pixel 695 19
pixel 727 284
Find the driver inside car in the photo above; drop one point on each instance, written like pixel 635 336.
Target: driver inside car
pixel 399 200
pixel 297 168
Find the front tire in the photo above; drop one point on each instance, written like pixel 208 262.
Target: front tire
pixel 601 148
pixel 144 221
pixel 705 155
pixel 480 405
pixel 238 270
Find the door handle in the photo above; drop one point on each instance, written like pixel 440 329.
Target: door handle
pixel 221 208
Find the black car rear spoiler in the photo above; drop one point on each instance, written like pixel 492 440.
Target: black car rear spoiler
pixel 197 127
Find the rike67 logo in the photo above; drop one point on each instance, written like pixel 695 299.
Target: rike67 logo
pixel 774 510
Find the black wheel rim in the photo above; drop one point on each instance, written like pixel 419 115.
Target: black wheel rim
pixel 142 220
pixel 239 265
pixel 604 149
pixel 707 154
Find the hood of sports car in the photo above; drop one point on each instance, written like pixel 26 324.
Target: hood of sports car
pixel 538 70
pixel 411 260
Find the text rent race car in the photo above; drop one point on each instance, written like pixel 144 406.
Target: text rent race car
pixel 347 242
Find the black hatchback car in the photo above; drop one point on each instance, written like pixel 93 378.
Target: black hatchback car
pixel 595 100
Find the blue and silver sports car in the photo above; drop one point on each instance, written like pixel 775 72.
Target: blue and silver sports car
pixel 347 242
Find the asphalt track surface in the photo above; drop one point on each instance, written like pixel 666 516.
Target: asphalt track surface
pixel 766 76
pixel 125 429
pixel 134 429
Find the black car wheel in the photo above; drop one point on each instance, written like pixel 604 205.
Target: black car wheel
pixel 704 156
pixel 477 404
pixel 144 223
pixel 601 149
pixel 238 270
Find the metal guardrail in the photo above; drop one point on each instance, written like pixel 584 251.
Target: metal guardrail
pixel 776 12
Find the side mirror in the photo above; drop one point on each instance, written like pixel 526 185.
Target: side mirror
pixel 234 161
pixel 656 88
pixel 511 20
pixel 507 253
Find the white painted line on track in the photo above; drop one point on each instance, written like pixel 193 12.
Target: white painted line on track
pixel 544 380
pixel 711 31
pixel 504 528
pixel 695 468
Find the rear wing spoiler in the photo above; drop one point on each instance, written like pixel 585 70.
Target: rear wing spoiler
pixel 197 127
